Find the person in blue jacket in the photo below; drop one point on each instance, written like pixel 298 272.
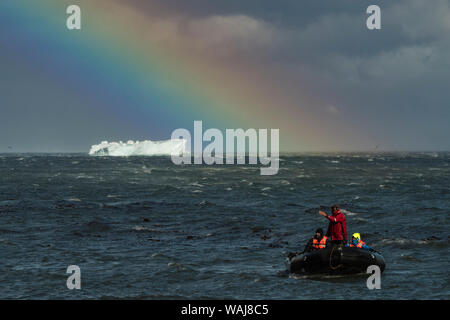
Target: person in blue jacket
pixel 358 243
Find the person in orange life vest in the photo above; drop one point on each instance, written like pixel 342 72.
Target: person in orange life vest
pixel 337 228
pixel 319 241
pixel 358 243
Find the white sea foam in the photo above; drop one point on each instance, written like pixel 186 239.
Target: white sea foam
pixel 403 241
pixel 348 213
pixel 139 148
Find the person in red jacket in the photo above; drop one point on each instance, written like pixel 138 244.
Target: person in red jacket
pixel 337 228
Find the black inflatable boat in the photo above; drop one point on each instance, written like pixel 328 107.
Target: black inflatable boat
pixel 336 260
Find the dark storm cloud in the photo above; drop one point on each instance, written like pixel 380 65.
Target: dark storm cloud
pixel 322 29
pixel 391 81
pixel 286 12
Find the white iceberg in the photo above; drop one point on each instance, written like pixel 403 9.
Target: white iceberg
pixel 171 147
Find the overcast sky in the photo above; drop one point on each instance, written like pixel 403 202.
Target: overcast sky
pixel 391 85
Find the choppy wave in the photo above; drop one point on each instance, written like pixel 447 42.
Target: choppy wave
pixel 143 228
pixel 349 213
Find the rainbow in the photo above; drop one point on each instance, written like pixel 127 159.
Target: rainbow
pixel 116 61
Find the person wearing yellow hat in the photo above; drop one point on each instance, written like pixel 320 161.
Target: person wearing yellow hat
pixel 358 243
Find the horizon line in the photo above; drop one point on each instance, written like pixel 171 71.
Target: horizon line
pixel 281 152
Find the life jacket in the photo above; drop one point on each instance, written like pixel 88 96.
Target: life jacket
pixel 359 245
pixel 320 244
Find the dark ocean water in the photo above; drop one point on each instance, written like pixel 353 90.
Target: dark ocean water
pixel 141 227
